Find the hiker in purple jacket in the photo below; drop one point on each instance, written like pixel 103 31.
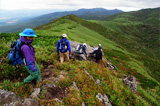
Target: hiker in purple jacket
pixel 29 55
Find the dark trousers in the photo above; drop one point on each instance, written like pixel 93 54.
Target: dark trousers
pixel 98 61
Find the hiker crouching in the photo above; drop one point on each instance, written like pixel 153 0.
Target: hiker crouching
pixel 98 54
pixel 64 46
pixel 28 53
pixel 81 51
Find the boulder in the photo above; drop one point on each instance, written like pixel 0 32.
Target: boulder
pixel 7 97
pixel 131 82
pixel 35 93
pixel 30 102
pixel 104 99
pixel 76 56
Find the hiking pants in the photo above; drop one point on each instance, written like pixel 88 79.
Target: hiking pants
pixel 98 61
pixel 64 56
pixel 33 75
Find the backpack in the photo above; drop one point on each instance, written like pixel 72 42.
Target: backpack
pixel 63 46
pixel 98 54
pixel 79 49
pixel 15 55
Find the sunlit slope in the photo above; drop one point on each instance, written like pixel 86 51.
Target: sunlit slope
pixel 77 32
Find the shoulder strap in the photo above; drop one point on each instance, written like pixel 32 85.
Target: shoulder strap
pixel 24 43
pixel 63 42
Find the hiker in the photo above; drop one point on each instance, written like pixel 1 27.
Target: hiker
pixel 64 45
pixel 100 47
pixel 28 53
pixel 98 53
pixel 81 51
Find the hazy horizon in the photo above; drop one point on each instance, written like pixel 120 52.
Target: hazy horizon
pixel 69 5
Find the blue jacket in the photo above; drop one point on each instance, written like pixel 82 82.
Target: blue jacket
pixel 28 53
pixel 67 44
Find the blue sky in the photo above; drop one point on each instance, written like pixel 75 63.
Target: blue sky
pixel 125 5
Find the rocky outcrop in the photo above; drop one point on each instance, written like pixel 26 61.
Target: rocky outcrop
pixel 8 98
pixel 76 56
pixel 30 102
pixel 35 93
pixel 90 57
pixel 104 99
pixel 74 44
pixel 131 82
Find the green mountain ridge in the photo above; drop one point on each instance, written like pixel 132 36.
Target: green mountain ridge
pixel 123 44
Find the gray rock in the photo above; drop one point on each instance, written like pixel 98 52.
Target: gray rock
pixel 75 86
pixel 53 79
pixel 76 56
pixel 60 76
pixel 107 104
pixel 30 102
pixel 48 86
pixel 35 93
pixel 131 82
pixel 57 100
pixel 104 99
pixel 17 103
pixel 98 81
pixel 51 66
pixel 83 104
pixel 88 74
pixel 111 66
pixel 7 97
pixel 63 72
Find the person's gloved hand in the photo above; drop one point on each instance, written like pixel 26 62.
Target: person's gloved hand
pixel 70 53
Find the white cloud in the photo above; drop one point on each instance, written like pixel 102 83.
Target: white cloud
pixel 126 5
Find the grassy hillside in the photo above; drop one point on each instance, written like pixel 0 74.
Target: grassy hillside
pixel 124 54
pixel 140 36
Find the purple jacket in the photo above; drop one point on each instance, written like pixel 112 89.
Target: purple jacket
pixel 28 53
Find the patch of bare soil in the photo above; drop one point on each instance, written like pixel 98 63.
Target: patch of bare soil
pixel 55 92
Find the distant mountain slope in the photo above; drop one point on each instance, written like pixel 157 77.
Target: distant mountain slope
pixel 138 32
pixel 95 13
pixel 143 24
pixel 147 16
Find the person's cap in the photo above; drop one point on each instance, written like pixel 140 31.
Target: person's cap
pixel 99 44
pixel 84 44
pixel 64 35
pixel 28 32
